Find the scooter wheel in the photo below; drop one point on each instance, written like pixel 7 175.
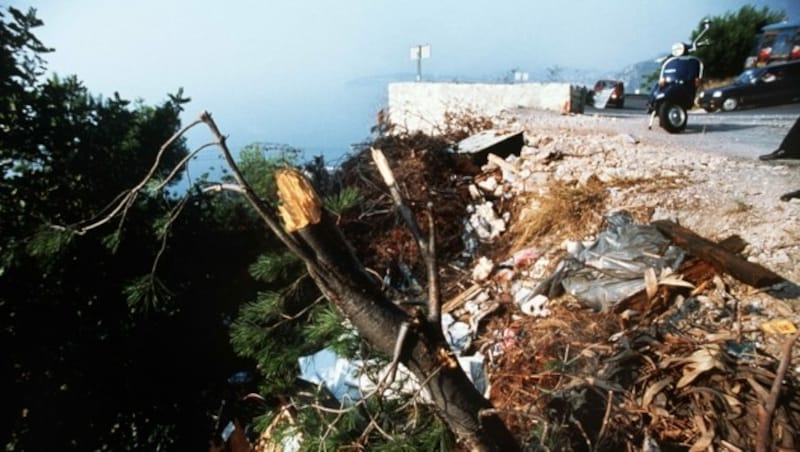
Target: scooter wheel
pixel 672 117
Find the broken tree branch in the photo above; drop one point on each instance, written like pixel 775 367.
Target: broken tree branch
pixel 344 281
pixel 434 292
pixel 426 248
pixel 258 205
pixel 180 164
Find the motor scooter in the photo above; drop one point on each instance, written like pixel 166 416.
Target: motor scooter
pixel 674 94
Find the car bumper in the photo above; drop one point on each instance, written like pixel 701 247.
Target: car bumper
pixel 711 103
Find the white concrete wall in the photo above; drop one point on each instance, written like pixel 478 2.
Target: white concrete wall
pixel 421 106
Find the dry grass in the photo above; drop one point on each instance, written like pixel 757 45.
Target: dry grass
pixel 650 185
pixel 566 209
pixel 572 210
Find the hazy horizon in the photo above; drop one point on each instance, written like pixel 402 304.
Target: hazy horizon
pixel 298 72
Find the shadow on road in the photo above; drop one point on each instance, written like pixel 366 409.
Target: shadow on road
pixel 710 128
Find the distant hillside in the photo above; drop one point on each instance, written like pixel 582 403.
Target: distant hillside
pixel 635 74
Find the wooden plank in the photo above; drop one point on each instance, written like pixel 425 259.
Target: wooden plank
pixel 720 258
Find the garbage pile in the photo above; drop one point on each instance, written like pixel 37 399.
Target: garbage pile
pixel 595 329
pixel 608 336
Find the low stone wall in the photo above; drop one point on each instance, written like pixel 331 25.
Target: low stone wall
pixel 422 106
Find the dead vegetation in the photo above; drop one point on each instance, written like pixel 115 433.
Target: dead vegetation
pixel 425 170
pixel 678 369
pixel 565 209
pixel 431 179
pixel 590 383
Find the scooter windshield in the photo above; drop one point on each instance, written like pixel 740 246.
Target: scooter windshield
pixel 681 69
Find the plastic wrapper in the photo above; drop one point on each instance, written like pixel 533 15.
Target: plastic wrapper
pixel 612 268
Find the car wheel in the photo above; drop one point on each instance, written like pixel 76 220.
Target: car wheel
pixel 672 117
pixel 730 104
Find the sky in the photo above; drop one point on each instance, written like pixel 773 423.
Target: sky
pixel 313 73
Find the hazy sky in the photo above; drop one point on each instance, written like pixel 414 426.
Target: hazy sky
pixel 307 72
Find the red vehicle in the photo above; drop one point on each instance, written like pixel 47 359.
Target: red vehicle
pixel 617 96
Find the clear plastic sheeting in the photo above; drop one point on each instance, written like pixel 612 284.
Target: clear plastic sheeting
pixel 613 266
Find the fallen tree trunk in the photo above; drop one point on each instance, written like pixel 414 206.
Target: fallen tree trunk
pixel 425 352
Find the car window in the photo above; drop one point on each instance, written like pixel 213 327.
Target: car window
pixel 749 76
pixel 782 44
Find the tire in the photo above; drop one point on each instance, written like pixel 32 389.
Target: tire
pixel 672 117
pixel 730 104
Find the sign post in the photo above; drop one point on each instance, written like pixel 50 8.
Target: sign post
pixel 418 53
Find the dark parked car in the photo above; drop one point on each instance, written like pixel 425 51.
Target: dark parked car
pixel 617 94
pixel 770 85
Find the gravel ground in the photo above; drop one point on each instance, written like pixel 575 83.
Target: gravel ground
pixel 723 194
pixel 716 195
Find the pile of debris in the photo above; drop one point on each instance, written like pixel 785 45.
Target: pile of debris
pixel 603 324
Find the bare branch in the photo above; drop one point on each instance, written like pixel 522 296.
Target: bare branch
pixel 224 187
pixel 426 248
pixel 173 215
pixel 434 293
pixel 181 163
pixel 408 216
pixel 127 200
pixel 260 207
pixel 391 373
pixel 767 409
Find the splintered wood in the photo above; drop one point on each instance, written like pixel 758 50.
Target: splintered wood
pixel 300 205
pixel 723 260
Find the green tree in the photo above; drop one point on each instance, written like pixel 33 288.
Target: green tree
pixel 732 37
pixel 89 371
pixel 82 368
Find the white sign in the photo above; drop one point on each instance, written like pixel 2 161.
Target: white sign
pixel 520 76
pixel 421 52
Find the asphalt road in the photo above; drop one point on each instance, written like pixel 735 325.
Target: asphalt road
pixel 743 133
